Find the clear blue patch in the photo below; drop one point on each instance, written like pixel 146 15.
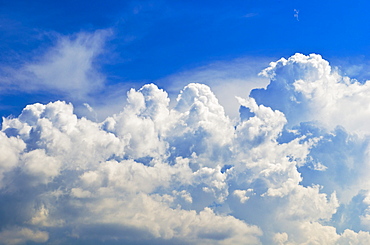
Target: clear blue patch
pixel 245 113
pixel 225 168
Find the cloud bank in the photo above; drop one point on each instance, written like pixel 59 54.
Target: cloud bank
pixel 294 169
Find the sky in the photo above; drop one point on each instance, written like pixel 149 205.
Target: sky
pixel 184 122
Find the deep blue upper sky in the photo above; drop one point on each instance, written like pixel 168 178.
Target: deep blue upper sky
pixel 153 39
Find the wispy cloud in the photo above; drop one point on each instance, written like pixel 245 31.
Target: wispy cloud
pixel 296 14
pixel 250 15
pixel 68 68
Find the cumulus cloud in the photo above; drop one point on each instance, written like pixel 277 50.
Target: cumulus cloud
pixel 226 78
pixel 188 174
pixel 310 90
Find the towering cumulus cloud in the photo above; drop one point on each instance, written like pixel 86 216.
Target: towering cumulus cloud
pixel 293 169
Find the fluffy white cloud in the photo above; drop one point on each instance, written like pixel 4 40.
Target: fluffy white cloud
pixel 42 167
pixel 306 88
pixel 226 78
pixel 10 149
pixel 188 174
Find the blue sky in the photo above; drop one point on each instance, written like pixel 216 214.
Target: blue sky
pixel 184 122
pixel 150 40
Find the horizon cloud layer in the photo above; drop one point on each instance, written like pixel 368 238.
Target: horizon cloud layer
pixel 293 169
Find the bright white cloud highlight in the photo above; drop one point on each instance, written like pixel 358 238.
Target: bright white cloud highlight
pixel 283 173
pixel 311 91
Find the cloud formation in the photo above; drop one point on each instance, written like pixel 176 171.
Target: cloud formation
pixel 292 170
pixel 68 68
pixel 226 78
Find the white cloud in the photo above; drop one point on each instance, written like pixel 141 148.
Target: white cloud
pixel 40 166
pixel 187 173
pixel 308 89
pixel 296 14
pixel 350 236
pixel 68 67
pixel 242 194
pixel 10 149
pixel 19 235
pixel 226 78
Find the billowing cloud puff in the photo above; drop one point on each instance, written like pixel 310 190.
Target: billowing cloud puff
pixel 306 88
pixel 283 173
